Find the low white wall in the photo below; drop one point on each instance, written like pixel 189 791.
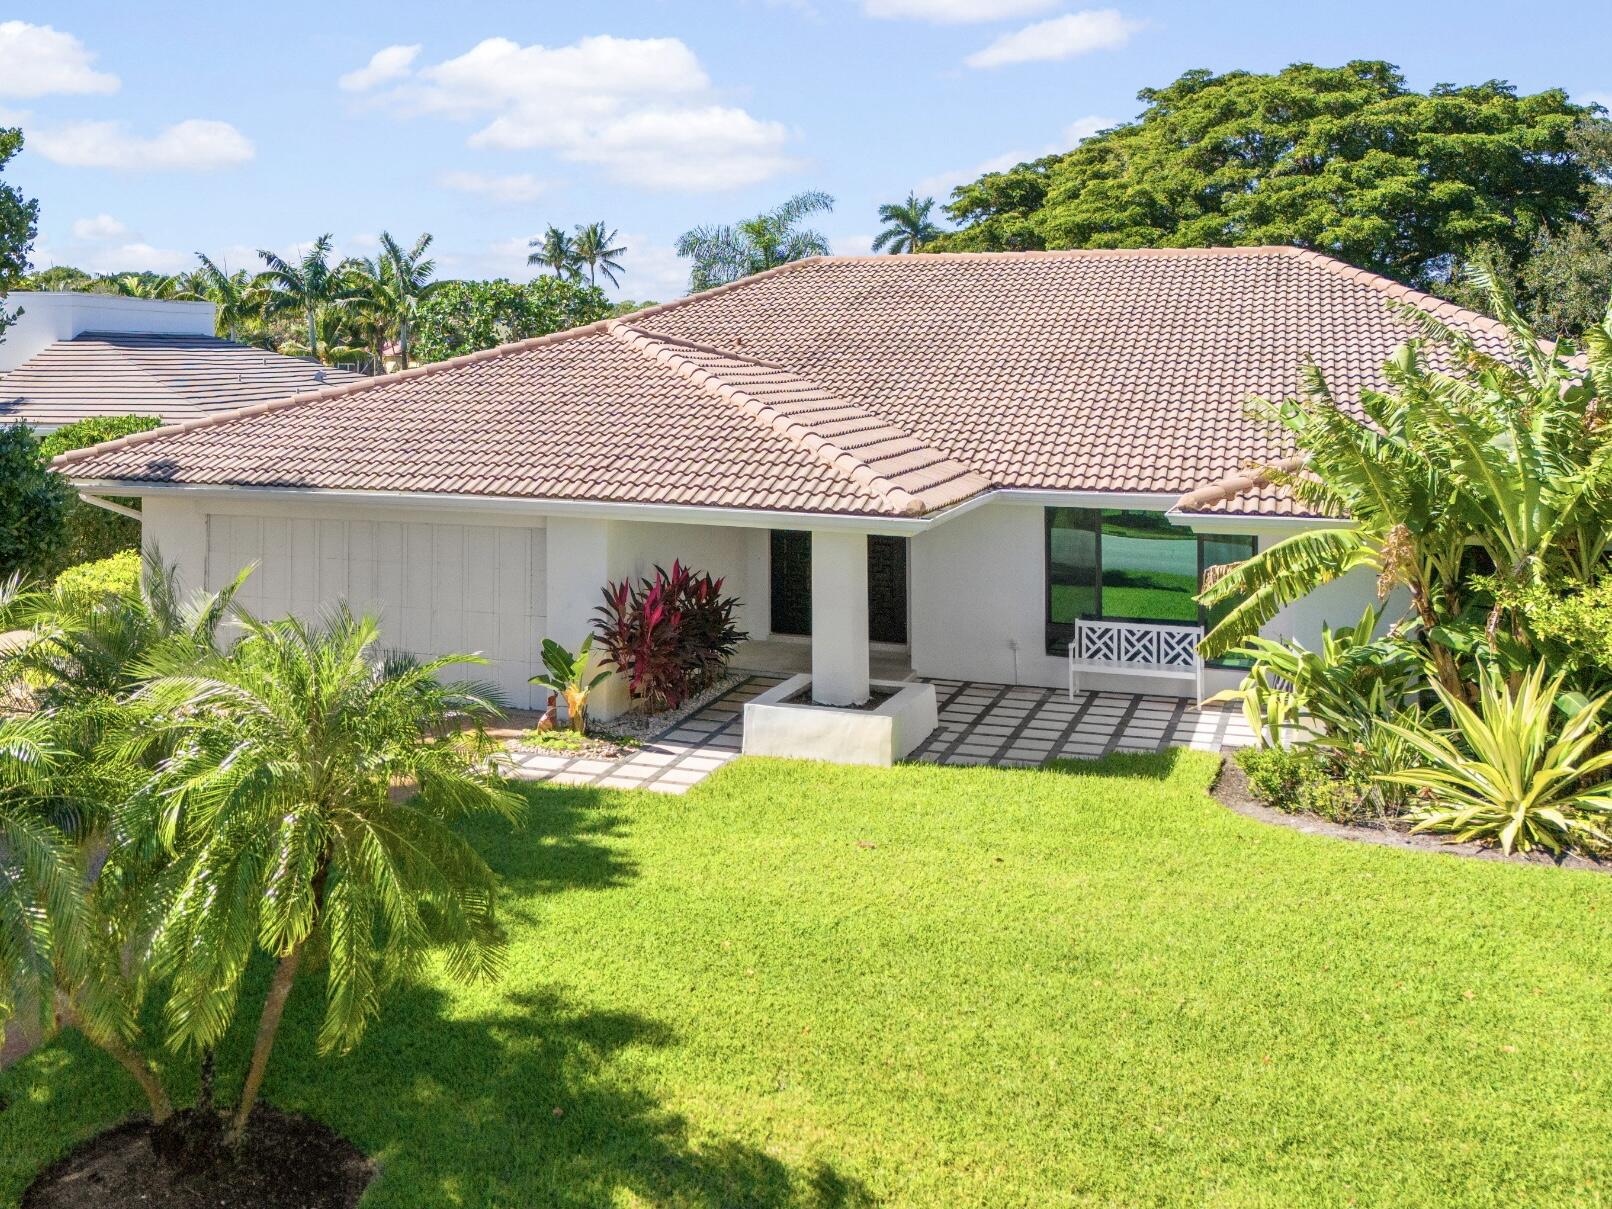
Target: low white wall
pixel 979 606
pixel 51 316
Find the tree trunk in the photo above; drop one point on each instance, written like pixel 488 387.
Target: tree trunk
pixel 313 335
pixel 403 344
pixel 204 1082
pixel 285 975
pixel 127 1057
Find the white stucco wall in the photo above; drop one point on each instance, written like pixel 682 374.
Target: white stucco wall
pixel 977 582
pixel 446 598
pixel 51 316
pixel 979 613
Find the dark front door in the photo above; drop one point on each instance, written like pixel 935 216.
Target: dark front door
pixel 791 582
pixel 792 585
pixel 887 589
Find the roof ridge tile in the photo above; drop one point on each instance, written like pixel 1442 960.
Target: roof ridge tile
pixel 805 436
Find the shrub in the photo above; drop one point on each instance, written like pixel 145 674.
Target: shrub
pixel 118 575
pixel 91 532
pixel 1510 772
pixel 1275 774
pixel 34 503
pixel 1297 781
pixel 670 636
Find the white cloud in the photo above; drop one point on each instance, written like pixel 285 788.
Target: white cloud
pixel 505 190
pixel 642 109
pixel 1060 38
pixel 384 67
pixel 851 245
pixel 1081 129
pixel 193 145
pixel 100 229
pixel 36 60
pixel 955 12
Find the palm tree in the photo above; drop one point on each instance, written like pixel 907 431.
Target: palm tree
pixel 310 801
pixel 909 226
pixel 557 250
pixel 410 274
pixel 42 924
pixel 57 955
pixel 144 285
pixel 594 247
pixel 726 253
pixel 237 301
pixel 309 285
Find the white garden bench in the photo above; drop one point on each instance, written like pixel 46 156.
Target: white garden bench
pixel 1136 647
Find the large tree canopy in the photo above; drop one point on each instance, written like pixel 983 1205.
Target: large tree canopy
pixel 17 217
pixel 1346 160
pixel 465 316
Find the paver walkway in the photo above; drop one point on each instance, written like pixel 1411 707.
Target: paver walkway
pixel 979 724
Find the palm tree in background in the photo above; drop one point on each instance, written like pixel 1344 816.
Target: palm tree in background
pixel 410 272
pixel 309 285
pixel 145 285
pixel 725 253
pixel 237 301
pixel 310 802
pixel 596 248
pixel 557 250
pixel 908 226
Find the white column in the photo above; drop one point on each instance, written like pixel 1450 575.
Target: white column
pixel 839 617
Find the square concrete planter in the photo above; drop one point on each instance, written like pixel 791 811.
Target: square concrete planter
pixel 840 736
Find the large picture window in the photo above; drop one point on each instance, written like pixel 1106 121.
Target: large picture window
pixel 1128 566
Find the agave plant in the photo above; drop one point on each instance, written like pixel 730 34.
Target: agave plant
pixel 567 674
pixel 1510 771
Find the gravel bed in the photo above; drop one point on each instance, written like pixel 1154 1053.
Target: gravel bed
pixel 634 725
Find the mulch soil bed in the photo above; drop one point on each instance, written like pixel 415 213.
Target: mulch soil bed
pixel 1231 791
pixel 286 1162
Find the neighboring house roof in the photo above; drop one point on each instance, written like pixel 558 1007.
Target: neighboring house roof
pixel 173 377
pixel 890 385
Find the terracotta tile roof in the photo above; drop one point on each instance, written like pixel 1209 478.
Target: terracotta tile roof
pixel 175 378
pixel 883 385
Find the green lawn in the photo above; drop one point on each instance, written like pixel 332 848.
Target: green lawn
pixel 806 986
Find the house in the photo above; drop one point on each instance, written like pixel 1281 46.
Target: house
pixel 948 463
pixel 72 355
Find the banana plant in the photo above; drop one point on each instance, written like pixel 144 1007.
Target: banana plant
pixel 567 674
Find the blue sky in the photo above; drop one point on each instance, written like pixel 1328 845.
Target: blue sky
pixel 160 129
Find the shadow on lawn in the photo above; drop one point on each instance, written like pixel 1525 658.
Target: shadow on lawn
pixel 521 1107
pixel 569 839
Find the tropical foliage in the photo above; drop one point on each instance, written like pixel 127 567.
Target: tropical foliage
pixel 908 227
pixel 670 636
pixel 1512 770
pixel 293 794
pixel 18 218
pixel 1498 459
pixel 34 504
pixel 309 797
pixel 726 252
pixel 566 674
pixel 1478 490
pixel 1347 160
pixel 465 316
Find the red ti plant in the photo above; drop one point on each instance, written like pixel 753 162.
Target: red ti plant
pixel 670 636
